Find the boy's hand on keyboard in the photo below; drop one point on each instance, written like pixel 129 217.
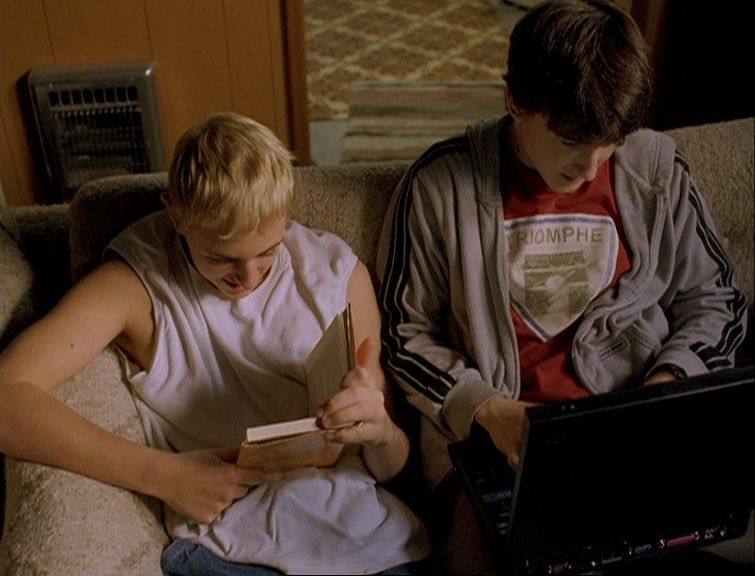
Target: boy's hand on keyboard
pixel 503 418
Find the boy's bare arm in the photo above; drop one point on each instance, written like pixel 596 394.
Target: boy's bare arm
pixel 87 319
pixel 35 425
pixel 110 303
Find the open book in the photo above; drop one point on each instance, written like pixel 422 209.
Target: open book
pixel 299 443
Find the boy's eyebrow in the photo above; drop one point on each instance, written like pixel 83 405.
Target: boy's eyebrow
pixel 271 248
pixel 213 254
pixel 572 142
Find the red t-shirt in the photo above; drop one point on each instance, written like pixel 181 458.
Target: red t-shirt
pixel 563 251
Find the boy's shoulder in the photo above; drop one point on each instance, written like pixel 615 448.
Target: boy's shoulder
pixel 647 136
pixel 152 226
pixel 312 249
pixel 648 155
pixel 300 235
pixel 321 264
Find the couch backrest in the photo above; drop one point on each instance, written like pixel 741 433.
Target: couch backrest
pixel 349 201
pixel 102 208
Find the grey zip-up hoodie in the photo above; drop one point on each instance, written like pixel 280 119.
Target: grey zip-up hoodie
pixel 448 335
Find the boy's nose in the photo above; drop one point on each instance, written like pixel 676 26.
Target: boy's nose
pixel 590 161
pixel 588 166
pixel 248 274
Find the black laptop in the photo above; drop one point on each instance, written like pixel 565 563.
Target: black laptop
pixel 618 477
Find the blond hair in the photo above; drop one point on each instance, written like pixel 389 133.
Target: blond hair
pixel 230 174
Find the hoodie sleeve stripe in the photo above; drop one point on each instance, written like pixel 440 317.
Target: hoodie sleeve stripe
pixel 717 355
pixel 414 369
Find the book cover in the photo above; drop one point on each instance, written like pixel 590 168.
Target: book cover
pixel 290 452
pixel 330 360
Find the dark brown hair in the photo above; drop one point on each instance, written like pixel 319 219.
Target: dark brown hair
pixel 585 65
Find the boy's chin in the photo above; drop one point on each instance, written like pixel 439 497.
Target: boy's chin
pixel 568 187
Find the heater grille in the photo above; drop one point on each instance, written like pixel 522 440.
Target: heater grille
pixel 96 121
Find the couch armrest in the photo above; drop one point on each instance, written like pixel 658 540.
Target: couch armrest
pixel 34 241
pixel 16 301
pixel 64 523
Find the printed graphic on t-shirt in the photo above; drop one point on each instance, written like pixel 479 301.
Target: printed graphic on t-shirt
pixel 557 265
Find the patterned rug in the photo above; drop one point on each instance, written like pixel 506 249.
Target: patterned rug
pixel 350 42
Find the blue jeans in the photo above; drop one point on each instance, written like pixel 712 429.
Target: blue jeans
pixel 182 558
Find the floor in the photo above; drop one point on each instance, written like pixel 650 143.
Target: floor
pixel 351 41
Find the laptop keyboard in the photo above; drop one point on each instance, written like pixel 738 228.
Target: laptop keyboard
pixel 492 481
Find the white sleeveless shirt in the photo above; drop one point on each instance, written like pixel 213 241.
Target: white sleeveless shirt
pixel 220 366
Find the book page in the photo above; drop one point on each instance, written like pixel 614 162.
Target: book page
pixel 281 429
pixel 330 360
pixel 288 428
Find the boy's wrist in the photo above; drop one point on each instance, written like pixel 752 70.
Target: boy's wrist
pixel 153 472
pixel 389 437
pixel 675 370
pixel 487 413
pixel 665 373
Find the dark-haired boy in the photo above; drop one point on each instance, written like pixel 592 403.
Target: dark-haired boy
pixel 553 253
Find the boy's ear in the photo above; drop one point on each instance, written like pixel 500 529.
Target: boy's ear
pixel 511 106
pixel 169 209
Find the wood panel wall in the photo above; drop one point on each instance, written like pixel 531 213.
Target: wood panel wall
pixel 210 55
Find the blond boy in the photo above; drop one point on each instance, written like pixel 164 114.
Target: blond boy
pixel 214 304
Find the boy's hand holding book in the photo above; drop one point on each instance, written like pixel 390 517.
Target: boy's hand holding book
pixel 360 401
pixel 304 442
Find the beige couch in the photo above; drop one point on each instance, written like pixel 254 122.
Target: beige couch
pixel 57 522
